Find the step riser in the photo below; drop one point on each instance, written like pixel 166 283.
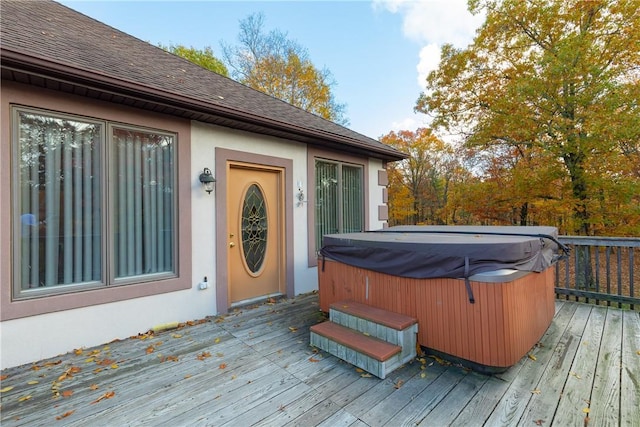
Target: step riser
pixel 369 364
pixel 405 338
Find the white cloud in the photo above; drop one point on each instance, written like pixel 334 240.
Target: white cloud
pixel 429 60
pixel 434 21
pixel 431 23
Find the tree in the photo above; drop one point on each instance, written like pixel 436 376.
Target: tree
pixel 423 178
pixel 204 58
pixel 280 67
pixel 557 84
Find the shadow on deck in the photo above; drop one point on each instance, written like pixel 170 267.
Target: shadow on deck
pixel 255 367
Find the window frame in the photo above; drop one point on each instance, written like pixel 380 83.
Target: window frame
pixel 340 203
pixel 32 97
pixel 313 154
pixel 107 167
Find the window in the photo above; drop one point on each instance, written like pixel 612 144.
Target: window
pixel 95 204
pixel 339 199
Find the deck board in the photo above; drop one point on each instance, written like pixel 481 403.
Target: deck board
pixel 261 370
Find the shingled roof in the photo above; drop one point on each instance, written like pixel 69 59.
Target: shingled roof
pixel 46 44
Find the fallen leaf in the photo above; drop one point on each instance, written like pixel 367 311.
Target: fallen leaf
pixel 638 352
pixel 78 351
pixel 65 415
pixel 398 384
pixel 114 366
pixel 105 362
pixel 536 391
pixel 187 376
pixel 222 366
pixel 292 329
pixel 532 357
pixel 95 371
pixel 586 410
pixel 312 359
pixel 23 398
pixel 423 375
pixel 176 335
pixel 366 375
pixel 107 395
pixel 35 368
pixel 150 349
pixel 93 386
pixel 33 382
pixel 359 370
pixel 6 389
pixel 67 393
pixel 216 341
pixel 3 377
pixel 203 355
pixel 90 360
pixel 575 375
pixel 57 362
pixel 539 422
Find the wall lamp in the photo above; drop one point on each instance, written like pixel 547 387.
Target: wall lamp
pixel 207 180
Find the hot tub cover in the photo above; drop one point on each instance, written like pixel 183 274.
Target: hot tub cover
pixel 445 251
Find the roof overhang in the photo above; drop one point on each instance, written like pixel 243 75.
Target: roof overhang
pixel 19 67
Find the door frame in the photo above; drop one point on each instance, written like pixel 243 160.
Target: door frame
pixel 223 157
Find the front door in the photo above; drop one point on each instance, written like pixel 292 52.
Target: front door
pixel 255 214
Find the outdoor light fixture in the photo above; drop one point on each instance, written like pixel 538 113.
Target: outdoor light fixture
pixel 300 195
pixel 207 180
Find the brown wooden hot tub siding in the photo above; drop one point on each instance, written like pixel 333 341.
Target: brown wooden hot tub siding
pixel 505 322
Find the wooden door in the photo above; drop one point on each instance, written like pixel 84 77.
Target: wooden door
pixel 255 213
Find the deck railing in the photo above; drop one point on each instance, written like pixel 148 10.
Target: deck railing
pixel 600 270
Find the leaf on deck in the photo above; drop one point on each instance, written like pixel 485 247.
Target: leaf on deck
pixel 532 357
pixel 312 359
pixel 398 384
pixel 94 386
pixel 222 366
pixel 4 390
pixel 536 391
pixel 203 355
pixel 107 395
pixel 65 415
pixel 23 398
pixel 67 393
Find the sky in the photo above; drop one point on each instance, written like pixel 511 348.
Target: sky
pixel 379 52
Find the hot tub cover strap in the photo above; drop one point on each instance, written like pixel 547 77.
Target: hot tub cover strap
pixel 472 300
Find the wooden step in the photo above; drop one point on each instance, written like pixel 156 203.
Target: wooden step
pixel 389 319
pixel 369 346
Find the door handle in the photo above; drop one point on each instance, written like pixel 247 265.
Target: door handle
pixel 231 244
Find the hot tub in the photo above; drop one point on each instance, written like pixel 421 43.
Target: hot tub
pixel 483 296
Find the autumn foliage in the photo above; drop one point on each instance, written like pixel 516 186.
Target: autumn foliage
pixel 544 109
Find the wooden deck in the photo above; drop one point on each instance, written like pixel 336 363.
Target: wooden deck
pixel 255 367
